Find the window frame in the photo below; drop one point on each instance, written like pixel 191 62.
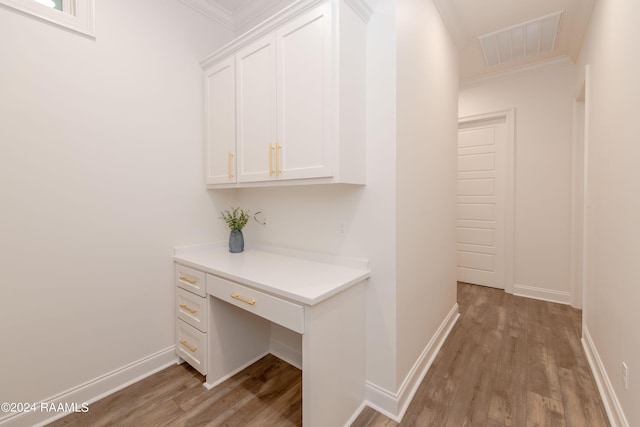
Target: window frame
pixel 81 21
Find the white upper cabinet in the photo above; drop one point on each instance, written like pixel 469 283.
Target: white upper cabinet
pixel 220 130
pixel 299 100
pixel 256 109
pixel 304 140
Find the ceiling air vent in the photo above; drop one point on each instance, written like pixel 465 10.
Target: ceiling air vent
pixel 530 38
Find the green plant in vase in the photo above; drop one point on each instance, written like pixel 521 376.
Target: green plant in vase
pixel 236 219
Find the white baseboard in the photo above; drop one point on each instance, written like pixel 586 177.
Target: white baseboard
pixel 551 295
pixel 382 401
pixel 355 415
pixel 609 399
pixel 394 405
pixel 95 389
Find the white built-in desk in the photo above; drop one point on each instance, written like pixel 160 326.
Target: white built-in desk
pixel 320 298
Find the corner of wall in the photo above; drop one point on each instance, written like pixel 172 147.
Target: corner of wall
pixel 394 404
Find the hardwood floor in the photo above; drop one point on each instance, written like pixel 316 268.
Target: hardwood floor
pixel 509 361
pixel 268 393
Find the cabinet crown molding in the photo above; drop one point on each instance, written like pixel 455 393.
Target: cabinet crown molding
pixel 360 7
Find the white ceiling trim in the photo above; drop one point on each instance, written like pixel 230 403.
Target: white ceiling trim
pixel 213 11
pixel 264 27
pixel 563 60
pixel 252 13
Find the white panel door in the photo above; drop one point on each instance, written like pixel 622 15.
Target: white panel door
pixel 256 110
pixel 304 96
pixel 481 197
pixel 220 123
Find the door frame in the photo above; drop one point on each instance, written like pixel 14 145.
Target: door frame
pixel 509 117
pixel 580 199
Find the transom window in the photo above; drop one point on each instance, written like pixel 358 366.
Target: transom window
pixel 50 3
pixel 77 15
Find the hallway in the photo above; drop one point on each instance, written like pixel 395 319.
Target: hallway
pixel 509 361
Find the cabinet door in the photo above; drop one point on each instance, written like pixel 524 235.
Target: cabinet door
pixel 220 117
pixel 304 95
pixel 256 110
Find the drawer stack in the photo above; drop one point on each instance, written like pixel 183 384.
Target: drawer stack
pixel 191 317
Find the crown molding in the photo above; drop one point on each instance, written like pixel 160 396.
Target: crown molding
pixel 556 61
pixel 253 13
pixel 260 30
pixel 213 11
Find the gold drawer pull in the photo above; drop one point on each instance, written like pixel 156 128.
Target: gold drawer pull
pixel 190 281
pixel 271 149
pixel 229 168
pixel 278 170
pixel 247 301
pixel 191 348
pixel 189 309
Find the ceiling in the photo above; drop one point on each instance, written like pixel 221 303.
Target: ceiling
pixel 467 20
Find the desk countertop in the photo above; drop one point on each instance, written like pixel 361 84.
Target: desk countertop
pixel 302 277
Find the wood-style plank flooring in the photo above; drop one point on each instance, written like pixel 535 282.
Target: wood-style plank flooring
pixel 509 361
pixel 267 393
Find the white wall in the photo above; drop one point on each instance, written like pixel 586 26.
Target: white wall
pixel 427 133
pixel 100 177
pixel 612 291
pixel 543 100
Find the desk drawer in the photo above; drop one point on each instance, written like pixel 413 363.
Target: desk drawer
pixel 192 309
pixel 191 345
pixel 272 308
pixel 191 280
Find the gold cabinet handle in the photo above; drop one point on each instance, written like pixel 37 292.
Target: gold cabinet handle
pixel 189 309
pixel 229 168
pixel 191 348
pixel 244 300
pixel 271 148
pixel 278 169
pixel 186 279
